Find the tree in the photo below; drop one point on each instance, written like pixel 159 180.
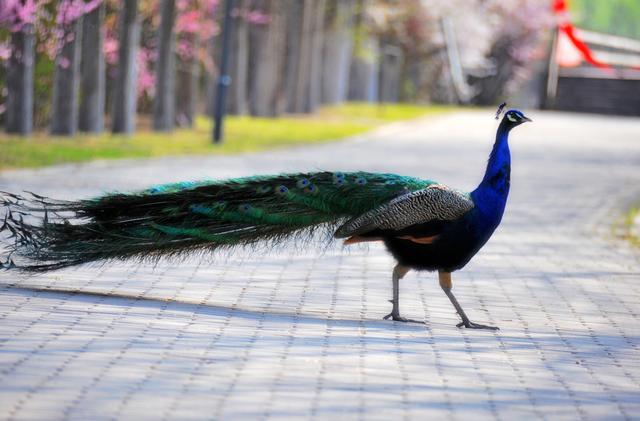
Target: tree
pixel 187 78
pixel 20 18
pixel 164 104
pixel 513 48
pixel 391 61
pixel 267 46
pixel 66 82
pixel 124 101
pixel 337 50
pixel 299 27
pixel 362 71
pixel 92 84
pixel 315 56
pixel 239 62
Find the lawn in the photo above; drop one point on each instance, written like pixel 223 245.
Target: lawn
pixel 242 134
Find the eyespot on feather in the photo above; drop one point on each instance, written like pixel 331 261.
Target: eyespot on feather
pixel 311 188
pixel 263 189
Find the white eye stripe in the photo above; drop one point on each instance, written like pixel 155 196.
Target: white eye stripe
pixel 511 118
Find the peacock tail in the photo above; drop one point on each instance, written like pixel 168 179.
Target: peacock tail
pixel 177 218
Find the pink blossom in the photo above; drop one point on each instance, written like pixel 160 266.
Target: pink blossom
pixel 5 50
pixel 189 22
pixel 257 17
pixel 209 30
pixel 182 4
pixel 91 6
pixel 64 62
pixel 14 14
pixel 69 11
pixel 146 76
pixel 184 49
pixel 210 6
pixel 110 49
pixel 27 12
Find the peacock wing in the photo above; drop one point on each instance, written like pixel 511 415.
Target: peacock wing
pixel 436 202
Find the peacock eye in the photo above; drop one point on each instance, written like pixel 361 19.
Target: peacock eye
pixel 264 189
pixel 512 117
pixel 282 190
pixel 311 188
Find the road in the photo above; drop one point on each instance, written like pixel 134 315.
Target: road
pixel 297 333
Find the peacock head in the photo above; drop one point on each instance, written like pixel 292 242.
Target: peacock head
pixel 513 118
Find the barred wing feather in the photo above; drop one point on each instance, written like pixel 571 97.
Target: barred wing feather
pixel 436 202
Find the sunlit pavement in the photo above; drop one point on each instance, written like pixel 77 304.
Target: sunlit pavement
pixel 298 334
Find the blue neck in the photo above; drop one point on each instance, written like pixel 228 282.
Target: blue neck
pixel 491 195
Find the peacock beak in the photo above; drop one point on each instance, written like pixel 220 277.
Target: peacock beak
pixel 525 118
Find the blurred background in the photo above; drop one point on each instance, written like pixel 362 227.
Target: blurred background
pixel 111 79
pixel 295 334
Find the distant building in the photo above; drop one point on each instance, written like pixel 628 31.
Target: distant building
pixel 593 72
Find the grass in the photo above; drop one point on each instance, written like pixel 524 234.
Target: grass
pixel 242 134
pixel 631 229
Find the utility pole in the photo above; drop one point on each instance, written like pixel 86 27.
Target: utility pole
pixel 224 80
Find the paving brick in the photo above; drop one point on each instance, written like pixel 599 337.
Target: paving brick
pixel 297 334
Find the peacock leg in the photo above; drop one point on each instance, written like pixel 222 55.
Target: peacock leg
pixel 446 285
pixel 398 273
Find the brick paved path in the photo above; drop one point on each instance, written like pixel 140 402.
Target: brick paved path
pixel 298 335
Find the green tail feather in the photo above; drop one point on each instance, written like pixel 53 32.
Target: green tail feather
pixel 177 218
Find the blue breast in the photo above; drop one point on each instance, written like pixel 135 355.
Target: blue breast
pixel 460 240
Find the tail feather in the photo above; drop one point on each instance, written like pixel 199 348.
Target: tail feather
pixel 171 219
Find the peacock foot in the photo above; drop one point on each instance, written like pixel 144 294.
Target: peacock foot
pixel 399 318
pixel 471 325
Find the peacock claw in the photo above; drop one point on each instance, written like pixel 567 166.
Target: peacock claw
pixel 398 318
pixel 472 325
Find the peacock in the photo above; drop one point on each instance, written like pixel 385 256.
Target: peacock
pixel 425 225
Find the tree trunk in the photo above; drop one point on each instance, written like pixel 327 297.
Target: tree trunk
pixel 239 64
pixel 211 77
pixel 363 71
pixel 266 43
pixel 124 101
pixel 295 9
pixel 390 66
pixel 280 10
pixel 188 75
pixel 338 43
pixel 19 118
pixel 212 74
pixel 315 57
pixel 303 70
pixel 66 81
pixel 93 72
pixel 164 102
